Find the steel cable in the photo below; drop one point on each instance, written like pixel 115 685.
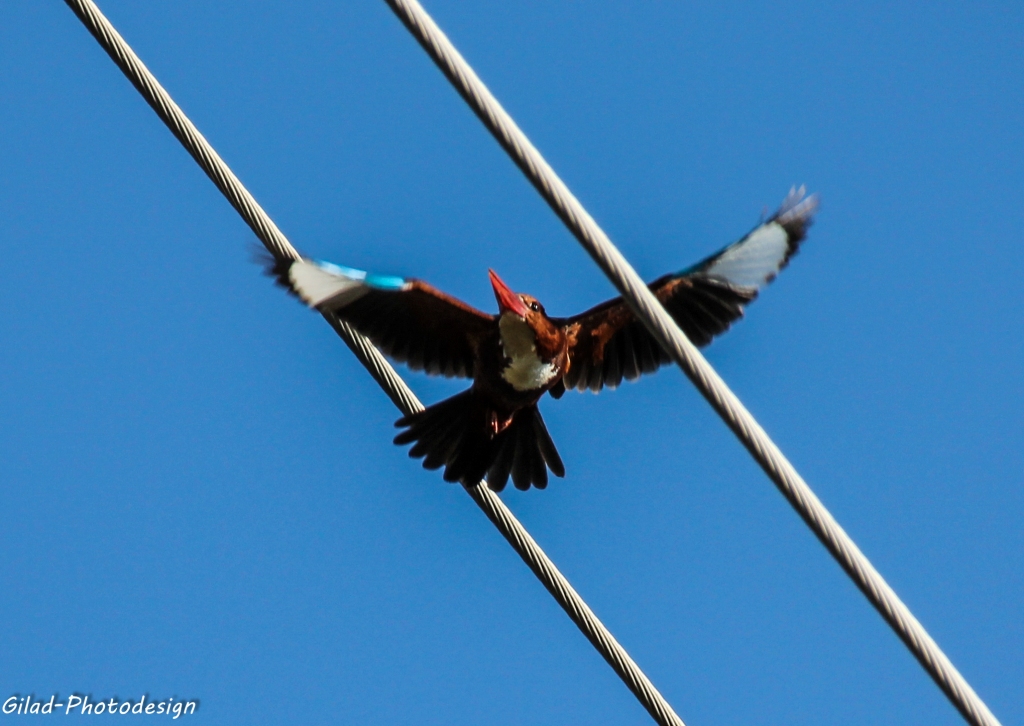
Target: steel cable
pixel 382 371
pixel 712 387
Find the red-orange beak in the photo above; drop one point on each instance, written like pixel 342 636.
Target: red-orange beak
pixel 508 301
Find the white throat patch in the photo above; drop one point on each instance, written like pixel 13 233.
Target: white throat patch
pixel 526 372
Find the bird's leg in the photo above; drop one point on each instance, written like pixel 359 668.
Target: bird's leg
pixel 496 424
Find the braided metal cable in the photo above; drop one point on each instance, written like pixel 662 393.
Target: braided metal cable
pixel 378 367
pixel 574 606
pixel 183 129
pixel 712 387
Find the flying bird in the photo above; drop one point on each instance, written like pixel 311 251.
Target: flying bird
pixel 494 428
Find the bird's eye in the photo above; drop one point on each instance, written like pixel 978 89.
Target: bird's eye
pixel 534 306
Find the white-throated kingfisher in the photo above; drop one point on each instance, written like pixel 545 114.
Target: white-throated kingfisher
pixel 494 428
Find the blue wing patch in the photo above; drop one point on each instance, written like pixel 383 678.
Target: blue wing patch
pixel 386 282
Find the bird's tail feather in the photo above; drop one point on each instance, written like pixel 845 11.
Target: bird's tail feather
pixel 455 434
pixel 524 450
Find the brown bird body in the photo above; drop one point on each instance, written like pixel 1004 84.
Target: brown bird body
pixel 494 428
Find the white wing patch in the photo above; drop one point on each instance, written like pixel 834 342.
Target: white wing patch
pixel 325 284
pixel 318 283
pixel 754 260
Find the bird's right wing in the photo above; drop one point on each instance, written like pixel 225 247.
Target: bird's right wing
pixel 607 343
pixel 409 320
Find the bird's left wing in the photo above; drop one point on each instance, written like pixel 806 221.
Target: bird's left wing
pixel 407 319
pixel 607 343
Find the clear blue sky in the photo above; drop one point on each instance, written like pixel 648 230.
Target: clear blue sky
pixel 200 497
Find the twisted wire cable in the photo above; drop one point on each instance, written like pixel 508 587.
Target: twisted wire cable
pixel 378 367
pixel 712 387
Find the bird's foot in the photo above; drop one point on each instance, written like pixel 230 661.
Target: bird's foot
pixel 496 424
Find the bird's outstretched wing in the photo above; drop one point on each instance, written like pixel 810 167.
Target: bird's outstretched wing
pixel 409 320
pixel 607 343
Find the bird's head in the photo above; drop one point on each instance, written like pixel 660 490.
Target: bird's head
pixel 523 307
